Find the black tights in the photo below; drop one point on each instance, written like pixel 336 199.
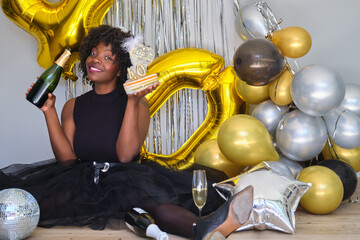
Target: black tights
pixel 173 219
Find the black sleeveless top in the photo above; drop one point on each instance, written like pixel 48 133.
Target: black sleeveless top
pixel 98 119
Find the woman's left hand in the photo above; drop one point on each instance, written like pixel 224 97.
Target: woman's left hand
pixel 139 95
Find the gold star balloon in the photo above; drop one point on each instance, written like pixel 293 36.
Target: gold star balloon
pixel 56 26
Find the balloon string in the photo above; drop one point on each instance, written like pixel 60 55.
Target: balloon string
pixel 283 113
pixel 336 123
pixel 269 18
pixel 276 86
pixel 291 70
pixel 278 108
pixel 331 146
pixel 317 160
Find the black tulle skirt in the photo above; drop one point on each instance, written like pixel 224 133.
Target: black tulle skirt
pixel 79 193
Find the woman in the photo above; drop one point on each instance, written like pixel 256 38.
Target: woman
pixel 96 175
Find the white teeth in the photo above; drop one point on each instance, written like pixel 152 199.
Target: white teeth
pixel 95 69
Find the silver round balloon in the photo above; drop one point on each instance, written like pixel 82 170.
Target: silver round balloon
pixel 316 90
pixel 257 20
pixel 300 136
pixel 352 98
pixel 269 114
pixel 19 214
pixel 294 166
pixel 344 127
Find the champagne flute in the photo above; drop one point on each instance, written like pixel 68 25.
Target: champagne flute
pixel 199 189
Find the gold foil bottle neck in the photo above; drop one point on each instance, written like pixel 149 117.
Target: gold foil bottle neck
pixel 63 58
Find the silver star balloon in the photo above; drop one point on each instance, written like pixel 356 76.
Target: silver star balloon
pixel 275 201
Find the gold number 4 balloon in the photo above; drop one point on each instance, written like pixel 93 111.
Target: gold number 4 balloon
pixel 197 69
pixel 56 25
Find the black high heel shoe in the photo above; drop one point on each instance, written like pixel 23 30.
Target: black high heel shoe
pixel 228 217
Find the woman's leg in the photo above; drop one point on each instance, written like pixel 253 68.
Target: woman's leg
pixel 227 218
pixel 173 219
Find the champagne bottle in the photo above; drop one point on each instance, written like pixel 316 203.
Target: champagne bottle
pixel 48 81
pixel 140 222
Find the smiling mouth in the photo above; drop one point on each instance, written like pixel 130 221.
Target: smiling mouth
pixel 93 69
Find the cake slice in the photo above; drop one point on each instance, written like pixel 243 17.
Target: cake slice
pixel 136 85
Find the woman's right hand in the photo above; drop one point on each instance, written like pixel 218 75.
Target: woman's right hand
pixel 50 102
pixel 28 90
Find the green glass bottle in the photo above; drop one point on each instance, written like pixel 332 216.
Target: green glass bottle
pixel 141 223
pixel 48 81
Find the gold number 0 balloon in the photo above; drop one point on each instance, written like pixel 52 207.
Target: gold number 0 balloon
pixel 56 25
pixel 197 69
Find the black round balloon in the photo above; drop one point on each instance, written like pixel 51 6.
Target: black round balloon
pixel 346 174
pixel 258 62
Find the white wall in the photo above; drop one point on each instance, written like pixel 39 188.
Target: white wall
pixel 334 29
pixel 23 134
pixel 333 25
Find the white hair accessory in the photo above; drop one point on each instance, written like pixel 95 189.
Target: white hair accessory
pixel 139 53
pixel 130 42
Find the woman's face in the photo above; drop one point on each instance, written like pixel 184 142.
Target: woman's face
pixel 100 64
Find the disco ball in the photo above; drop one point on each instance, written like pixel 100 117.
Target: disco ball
pixel 19 214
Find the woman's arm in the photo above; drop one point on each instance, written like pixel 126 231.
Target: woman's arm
pixel 135 125
pixel 61 137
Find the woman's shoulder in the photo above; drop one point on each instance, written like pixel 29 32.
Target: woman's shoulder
pixel 69 106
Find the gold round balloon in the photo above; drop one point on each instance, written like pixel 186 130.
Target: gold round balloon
pixel 251 94
pixel 209 155
pixel 326 192
pixel 293 42
pixel 245 141
pixel 56 26
pixel 279 90
pixel 197 69
pixel 350 156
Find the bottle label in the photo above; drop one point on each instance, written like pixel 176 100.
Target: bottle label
pixel 139 210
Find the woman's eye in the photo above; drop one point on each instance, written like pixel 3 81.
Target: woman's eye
pixel 93 53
